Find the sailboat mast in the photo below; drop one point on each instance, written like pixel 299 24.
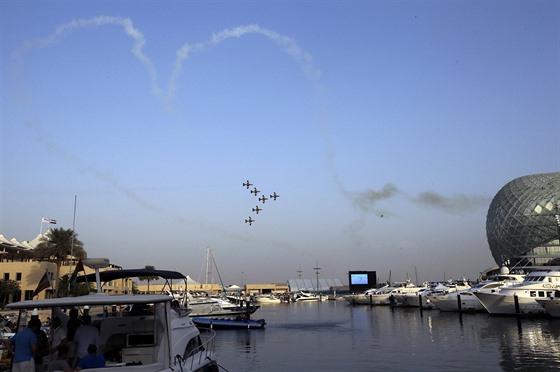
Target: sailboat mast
pixel 209 266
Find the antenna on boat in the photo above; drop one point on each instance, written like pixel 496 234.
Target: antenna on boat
pixel 96 264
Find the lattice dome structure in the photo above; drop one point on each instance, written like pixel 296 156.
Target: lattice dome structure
pixel 523 222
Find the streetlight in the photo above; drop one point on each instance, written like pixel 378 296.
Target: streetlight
pixel 317 268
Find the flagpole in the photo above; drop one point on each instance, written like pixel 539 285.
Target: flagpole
pixel 72 243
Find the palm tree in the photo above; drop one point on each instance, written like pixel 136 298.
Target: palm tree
pixel 148 277
pixel 56 245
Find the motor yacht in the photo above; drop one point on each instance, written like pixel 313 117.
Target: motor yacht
pixel 156 338
pixel 521 298
pixel 466 301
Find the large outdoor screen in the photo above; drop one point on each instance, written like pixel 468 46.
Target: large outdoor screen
pixel 361 280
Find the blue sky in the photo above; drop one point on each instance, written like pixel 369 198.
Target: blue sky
pixel 385 127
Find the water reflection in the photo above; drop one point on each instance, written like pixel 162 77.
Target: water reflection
pixel 332 336
pixel 525 343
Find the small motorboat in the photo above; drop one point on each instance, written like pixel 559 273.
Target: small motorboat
pixel 228 323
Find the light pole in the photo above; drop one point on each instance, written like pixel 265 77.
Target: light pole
pixel 317 268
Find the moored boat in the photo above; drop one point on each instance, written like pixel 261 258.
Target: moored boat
pixel 466 301
pixel 306 296
pixel 551 305
pixel 521 299
pixel 229 323
pixel 267 299
pixel 158 339
pixel 154 335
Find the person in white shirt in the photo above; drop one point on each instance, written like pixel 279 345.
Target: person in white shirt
pixel 85 335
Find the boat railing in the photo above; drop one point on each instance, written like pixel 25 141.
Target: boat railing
pixel 205 350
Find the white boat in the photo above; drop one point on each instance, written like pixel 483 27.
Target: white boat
pixel 382 296
pixel 161 340
pixel 267 299
pixel 417 299
pixel 306 296
pixel 521 298
pixel 405 293
pixel 551 305
pixel 363 298
pixel 213 306
pixel 466 301
pixel 161 337
pixel 423 297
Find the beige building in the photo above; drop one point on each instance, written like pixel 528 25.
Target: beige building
pixel 16 263
pixel 213 289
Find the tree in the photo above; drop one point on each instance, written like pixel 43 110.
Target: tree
pixel 76 289
pixel 8 287
pixel 56 245
pixel 148 277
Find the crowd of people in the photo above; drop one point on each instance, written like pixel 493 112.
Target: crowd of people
pixel 70 348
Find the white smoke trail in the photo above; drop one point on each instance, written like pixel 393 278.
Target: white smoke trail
pixel 285 43
pixel 78 24
pixel 289 45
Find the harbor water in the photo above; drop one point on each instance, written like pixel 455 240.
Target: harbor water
pixel 335 336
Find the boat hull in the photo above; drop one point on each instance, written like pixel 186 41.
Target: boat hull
pixel 466 302
pixel 218 323
pixel 500 304
pixel 551 306
pixel 373 300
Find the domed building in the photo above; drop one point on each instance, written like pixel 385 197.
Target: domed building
pixel 523 222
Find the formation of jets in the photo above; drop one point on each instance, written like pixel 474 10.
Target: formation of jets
pixel 263 199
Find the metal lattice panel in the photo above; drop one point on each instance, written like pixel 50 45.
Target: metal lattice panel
pixel 523 217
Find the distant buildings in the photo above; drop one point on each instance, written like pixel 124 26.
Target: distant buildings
pixel 522 227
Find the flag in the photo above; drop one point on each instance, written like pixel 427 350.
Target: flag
pixel 44 283
pixel 79 267
pixel 48 220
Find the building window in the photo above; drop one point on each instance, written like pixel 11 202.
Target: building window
pixel 18 277
pixel 6 276
pixel 28 295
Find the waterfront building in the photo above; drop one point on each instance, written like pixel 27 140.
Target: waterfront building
pixel 522 227
pixel 523 222
pixel 16 263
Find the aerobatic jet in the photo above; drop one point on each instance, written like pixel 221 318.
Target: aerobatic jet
pixel 255 191
pixel 274 195
pixel 249 221
pixel 263 199
pixel 257 209
pixel 247 184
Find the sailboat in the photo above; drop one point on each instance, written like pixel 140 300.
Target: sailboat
pixel 212 306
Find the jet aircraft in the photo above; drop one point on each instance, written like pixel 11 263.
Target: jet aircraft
pixel 257 209
pixel 274 195
pixel 249 221
pixel 263 199
pixel 247 184
pixel 255 191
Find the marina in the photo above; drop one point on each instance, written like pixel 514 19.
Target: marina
pixel 335 336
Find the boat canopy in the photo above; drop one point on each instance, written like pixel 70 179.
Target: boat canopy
pixel 109 275
pixel 90 300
